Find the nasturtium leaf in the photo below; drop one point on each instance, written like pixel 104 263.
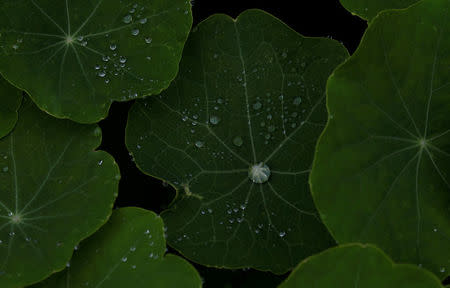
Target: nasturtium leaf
pixel 382 170
pixel 129 251
pixel 74 57
pixel 359 266
pixel 368 9
pixel 55 190
pixel 235 135
pixel 10 99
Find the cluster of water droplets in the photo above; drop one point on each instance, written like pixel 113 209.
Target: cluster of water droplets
pixel 16 45
pixel 194 120
pixel 132 249
pixel 113 61
pixel 272 117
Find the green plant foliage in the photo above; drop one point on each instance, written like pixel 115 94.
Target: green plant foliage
pixel 128 250
pixel 75 57
pixel 55 191
pixel 357 265
pixel 235 135
pixel 10 102
pixel 368 9
pixel 381 172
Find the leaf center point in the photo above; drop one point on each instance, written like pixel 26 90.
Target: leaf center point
pixel 69 40
pixel 16 218
pixel 423 142
pixel 259 173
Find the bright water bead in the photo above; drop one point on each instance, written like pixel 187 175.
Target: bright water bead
pixel 259 173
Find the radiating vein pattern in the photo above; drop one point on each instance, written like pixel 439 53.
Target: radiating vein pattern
pixel 235 135
pixel 119 50
pixel 50 181
pixel 388 140
pixel 358 266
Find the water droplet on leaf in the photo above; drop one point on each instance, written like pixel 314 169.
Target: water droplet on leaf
pixel 259 173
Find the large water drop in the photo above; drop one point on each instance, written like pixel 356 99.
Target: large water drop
pixel 259 173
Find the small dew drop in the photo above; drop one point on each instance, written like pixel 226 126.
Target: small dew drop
pixel 257 105
pixel 135 32
pixel 297 101
pixel 122 59
pixel 143 20
pixel 199 144
pixel 127 19
pixel 282 234
pixel 148 40
pixel 442 270
pixel 113 47
pixel 237 141
pixel 124 259
pixel 214 120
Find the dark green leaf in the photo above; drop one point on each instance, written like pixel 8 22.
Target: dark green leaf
pixel 368 9
pixel 359 266
pixel 55 191
pixel 9 103
pixel 127 252
pixel 382 168
pixel 250 93
pixel 75 57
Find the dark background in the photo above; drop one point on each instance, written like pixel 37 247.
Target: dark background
pixel 321 18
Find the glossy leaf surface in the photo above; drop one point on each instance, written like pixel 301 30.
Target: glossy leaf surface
pixel 55 191
pixel 74 57
pixel 382 169
pixel 359 266
pixel 129 251
pixel 9 103
pixel 368 9
pixel 235 135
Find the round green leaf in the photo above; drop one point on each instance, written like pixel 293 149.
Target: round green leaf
pixel 55 191
pixel 381 173
pixel 129 251
pixel 359 266
pixel 368 9
pixel 235 135
pixel 75 57
pixel 9 103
